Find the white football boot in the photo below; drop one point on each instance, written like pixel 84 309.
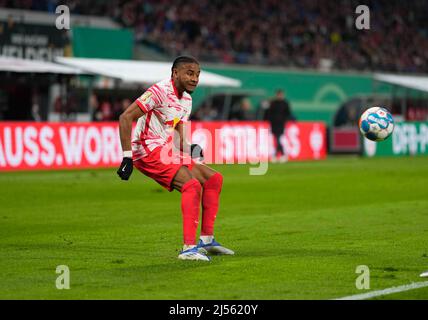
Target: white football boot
pixel 192 254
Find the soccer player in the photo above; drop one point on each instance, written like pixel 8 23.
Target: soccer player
pixel 164 108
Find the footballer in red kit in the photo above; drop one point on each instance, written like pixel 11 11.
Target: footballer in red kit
pixel 161 114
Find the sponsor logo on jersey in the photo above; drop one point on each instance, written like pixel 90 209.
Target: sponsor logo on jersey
pixel 146 97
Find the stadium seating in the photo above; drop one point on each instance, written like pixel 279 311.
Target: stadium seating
pixel 292 33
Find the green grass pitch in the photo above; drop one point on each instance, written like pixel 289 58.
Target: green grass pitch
pixel 299 232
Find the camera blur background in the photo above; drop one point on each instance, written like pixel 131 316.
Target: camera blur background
pixel 300 68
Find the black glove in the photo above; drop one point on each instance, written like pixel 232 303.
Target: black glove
pixel 125 168
pixel 196 152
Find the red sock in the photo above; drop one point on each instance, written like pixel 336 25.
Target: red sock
pixel 190 204
pixel 210 202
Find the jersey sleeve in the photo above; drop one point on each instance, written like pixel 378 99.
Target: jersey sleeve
pixel 151 99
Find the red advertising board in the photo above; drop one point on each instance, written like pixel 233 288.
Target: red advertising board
pixel 31 145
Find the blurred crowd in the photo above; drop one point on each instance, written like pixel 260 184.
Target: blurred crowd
pixel 102 108
pixel 107 109
pixel 293 33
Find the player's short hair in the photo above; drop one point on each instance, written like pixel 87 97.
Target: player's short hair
pixel 183 59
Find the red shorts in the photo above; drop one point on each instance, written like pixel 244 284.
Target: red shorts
pixel 163 173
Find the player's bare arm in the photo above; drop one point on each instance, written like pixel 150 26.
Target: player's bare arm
pixel 132 113
pixel 182 142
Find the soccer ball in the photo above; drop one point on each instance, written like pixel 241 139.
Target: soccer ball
pixel 376 124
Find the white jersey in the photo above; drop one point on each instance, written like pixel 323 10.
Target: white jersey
pixel 163 109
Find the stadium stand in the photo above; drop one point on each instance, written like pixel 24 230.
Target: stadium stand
pixel 294 33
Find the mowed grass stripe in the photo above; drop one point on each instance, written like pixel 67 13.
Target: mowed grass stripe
pixel 299 232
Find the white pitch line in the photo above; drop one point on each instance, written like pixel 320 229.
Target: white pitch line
pixel 368 295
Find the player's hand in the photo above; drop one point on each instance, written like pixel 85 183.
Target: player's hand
pixel 125 168
pixel 196 152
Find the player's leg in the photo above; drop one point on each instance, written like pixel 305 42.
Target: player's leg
pixel 212 183
pixel 190 189
pixel 279 148
pixel 172 176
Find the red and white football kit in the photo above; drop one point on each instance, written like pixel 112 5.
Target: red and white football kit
pixel 163 109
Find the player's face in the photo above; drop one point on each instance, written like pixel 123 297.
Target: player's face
pixel 186 76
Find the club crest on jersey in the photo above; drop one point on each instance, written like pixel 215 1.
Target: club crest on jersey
pixel 173 123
